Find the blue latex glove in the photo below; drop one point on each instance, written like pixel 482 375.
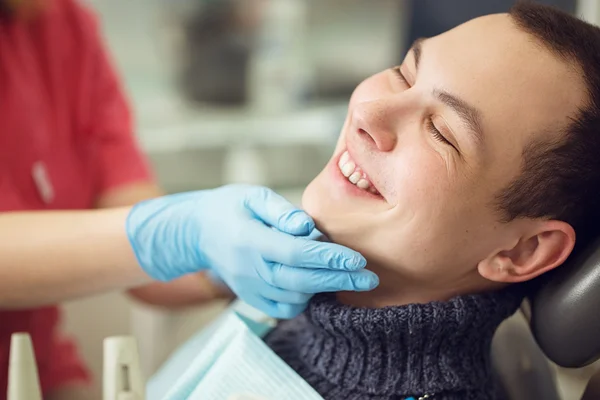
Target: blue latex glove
pixel 249 236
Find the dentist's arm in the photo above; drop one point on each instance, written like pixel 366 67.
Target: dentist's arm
pixel 48 257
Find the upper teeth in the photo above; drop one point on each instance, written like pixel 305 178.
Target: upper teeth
pixel 354 174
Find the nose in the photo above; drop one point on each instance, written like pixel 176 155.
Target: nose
pixel 375 122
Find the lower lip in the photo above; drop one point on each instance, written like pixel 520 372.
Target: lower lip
pixel 346 186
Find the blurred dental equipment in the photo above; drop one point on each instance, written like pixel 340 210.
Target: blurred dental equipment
pixel 23 381
pixel 122 374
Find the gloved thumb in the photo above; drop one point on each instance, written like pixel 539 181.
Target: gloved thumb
pixel 276 211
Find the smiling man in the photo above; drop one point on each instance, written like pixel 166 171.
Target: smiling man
pixel 470 168
pixel 450 143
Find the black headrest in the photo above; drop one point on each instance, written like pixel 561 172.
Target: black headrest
pixel 565 310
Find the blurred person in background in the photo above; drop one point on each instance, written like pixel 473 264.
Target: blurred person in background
pixel 66 144
pixel 45 90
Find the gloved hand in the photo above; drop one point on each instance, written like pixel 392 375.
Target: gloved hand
pixel 252 238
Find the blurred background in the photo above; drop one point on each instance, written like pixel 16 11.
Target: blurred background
pixel 251 91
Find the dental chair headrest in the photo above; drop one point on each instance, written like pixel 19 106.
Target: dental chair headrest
pixel 565 310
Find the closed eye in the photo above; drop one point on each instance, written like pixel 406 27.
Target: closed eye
pixel 437 135
pixel 400 76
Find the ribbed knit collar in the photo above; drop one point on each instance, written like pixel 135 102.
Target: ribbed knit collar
pixel 438 347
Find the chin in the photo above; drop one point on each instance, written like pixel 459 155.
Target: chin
pixel 315 203
pixel 334 216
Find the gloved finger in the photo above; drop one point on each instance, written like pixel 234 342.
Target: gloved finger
pixel 317 235
pixel 281 296
pixel 276 211
pixel 305 280
pixel 300 252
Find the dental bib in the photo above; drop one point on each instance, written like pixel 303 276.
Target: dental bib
pixel 229 361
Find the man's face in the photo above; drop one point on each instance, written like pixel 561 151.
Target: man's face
pixel 435 141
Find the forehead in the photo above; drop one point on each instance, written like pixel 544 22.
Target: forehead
pixel 520 87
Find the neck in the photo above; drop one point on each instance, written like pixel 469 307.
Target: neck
pixel 398 290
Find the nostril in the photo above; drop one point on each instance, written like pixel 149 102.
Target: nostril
pixel 366 135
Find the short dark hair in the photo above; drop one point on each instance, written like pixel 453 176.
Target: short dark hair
pixel 560 179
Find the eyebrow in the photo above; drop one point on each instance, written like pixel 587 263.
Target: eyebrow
pixel 416 50
pixel 470 115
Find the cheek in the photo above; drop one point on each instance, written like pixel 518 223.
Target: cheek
pixel 430 220
pixel 416 177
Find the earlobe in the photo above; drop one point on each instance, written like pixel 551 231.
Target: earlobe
pixel 541 250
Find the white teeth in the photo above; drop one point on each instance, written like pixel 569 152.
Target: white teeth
pixel 355 177
pixel 348 168
pixel 363 184
pixel 344 159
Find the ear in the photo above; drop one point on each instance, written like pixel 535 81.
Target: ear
pixel 543 248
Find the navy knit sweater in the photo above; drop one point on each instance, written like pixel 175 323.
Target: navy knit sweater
pixel 440 349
